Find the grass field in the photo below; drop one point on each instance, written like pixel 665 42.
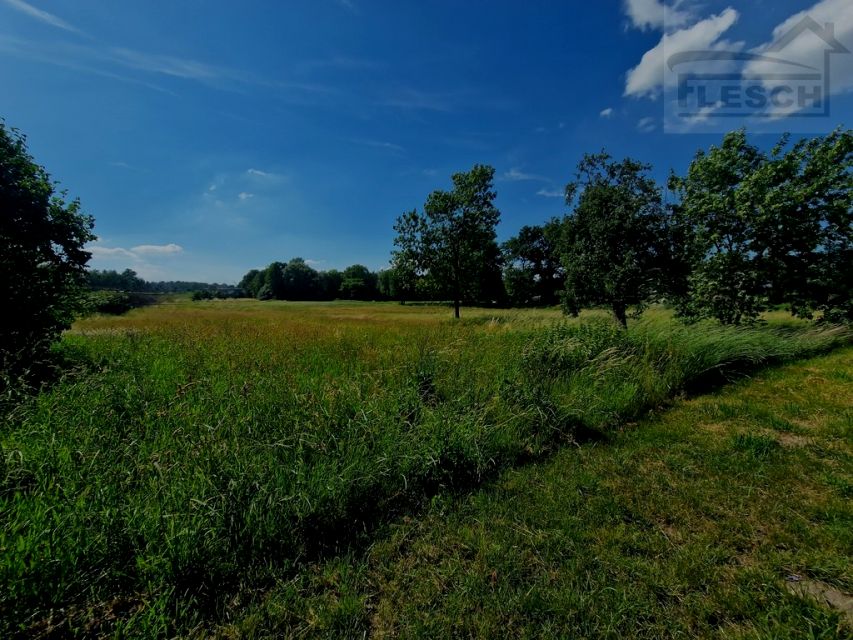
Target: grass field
pixel 688 524
pixel 203 456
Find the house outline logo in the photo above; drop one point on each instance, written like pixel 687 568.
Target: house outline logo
pixel 803 88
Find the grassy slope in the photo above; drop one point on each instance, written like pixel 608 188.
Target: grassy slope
pixel 684 525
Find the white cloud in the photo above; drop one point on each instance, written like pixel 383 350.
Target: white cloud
pixel 517 175
pixel 647 125
pixel 136 254
pixel 654 14
pixel 98 251
pixel 169 65
pixel 606 113
pixel 550 193
pixel 243 195
pixel 647 78
pixel 266 176
pixel 808 48
pixel 379 144
pixel 42 16
pixel 157 249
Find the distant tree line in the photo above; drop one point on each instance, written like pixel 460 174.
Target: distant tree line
pixel 129 281
pixel 742 232
pixel 297 280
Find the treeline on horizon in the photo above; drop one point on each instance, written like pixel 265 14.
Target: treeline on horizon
pixel 742 232
pixel 128 280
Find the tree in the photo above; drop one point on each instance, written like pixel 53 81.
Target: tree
pixel 252 282
pixel 453 241
pixel 719 201
pixel 42 255
pixel 532 270
pixel 359 283
pixel 765 229
pixel 274 286
pixel 614 245
pixel 808 226
pixel 300 281
pixel 329 283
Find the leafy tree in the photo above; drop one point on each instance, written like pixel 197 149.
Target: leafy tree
pixel 807 226
pixel 453 241
pixel 42 255
pixel 359 283
pixel 766 229
pixel 719 201
pixel 274 284
pixel 252 282
pixel 329 283
pixel 532 270
pixel 300 281
pixel 127 280
pixel 614 246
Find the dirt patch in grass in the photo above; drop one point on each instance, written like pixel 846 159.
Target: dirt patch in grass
pixel 823 593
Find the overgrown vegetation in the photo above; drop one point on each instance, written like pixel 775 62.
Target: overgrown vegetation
pixel 208 451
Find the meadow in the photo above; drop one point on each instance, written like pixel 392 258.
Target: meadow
pixel 199 455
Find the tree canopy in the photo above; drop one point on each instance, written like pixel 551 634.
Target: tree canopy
pixel 453 242
pixel 42 255
pixel 615 242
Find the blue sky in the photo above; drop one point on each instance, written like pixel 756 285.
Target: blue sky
pixel 210 137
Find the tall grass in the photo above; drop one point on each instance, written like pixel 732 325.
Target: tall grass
pixel 205 451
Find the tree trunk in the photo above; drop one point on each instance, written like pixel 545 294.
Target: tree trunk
pixel 456 309
pixel 619 312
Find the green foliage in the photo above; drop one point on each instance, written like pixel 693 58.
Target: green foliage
pixel 532 270
pixel 453 240
pixel 115 302
pixel 42 256
pixel 359 283
pixel 615 245
pixel 297 280
pixel 763 229
pixel 252 283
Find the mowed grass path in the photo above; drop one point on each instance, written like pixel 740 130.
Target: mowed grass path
pixel 689 524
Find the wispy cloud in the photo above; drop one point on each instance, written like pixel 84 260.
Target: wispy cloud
pixel 42 16
pixel 137 253
pixel 655 14
pixel 606 113
pixel 517 175
pixel 170 65
pixel 647 125
pixel 244 195
pixel 379 144
pixel 647 78
pixel 157 249
pixel 98 251
pixel 266 177
pixel 550 193
pixel 416 100
pixel 348 5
